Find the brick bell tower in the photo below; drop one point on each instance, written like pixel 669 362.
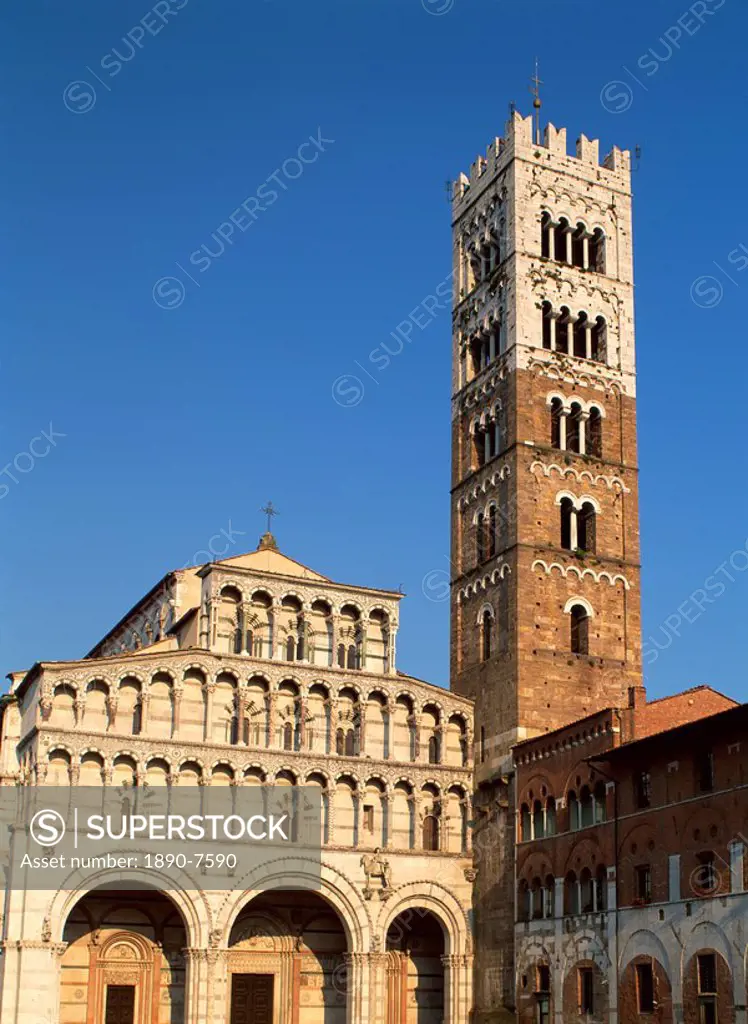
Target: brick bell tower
pixel 545 612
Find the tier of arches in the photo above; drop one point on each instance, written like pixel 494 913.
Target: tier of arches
pixel 136 952
pixel 357 811
pixel 287 627
pixel 288 715
pixel 582 805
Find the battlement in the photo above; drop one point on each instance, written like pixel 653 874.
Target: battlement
pixel 518 139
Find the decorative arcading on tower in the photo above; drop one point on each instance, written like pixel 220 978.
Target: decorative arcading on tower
pixel 545 543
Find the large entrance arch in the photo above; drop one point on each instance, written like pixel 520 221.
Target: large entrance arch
pixel 287 961
pixel 124 962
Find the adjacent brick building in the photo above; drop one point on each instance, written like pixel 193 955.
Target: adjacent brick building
pixel 631 879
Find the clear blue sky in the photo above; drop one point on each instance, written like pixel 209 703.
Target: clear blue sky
pixel 180 421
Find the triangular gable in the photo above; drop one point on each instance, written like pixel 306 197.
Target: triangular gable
pixel 268 560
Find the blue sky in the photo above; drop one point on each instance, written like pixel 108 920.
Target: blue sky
pixel 181 422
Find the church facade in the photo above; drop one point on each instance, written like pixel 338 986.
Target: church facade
pixel 249 672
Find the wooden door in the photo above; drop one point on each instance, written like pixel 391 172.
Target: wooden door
pixel 252 999
pixel 120 1004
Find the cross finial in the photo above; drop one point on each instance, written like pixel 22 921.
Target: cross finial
pixel 270 512
pixel 535 90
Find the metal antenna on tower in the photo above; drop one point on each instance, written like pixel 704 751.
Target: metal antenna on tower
pixel 537 104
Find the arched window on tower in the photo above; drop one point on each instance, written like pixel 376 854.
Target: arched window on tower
pixel 480 538
pixel 580 630
pixel 562 238
pixel 595 433
pixel 568 514
pixel 351 657
pixel 433 750
pixel 581 325
pixel 546 234
pixel 486 630
pixel 341 656
pixel 547 325
pixel 578 246
pixel 599 340
pixel 557 412
pixel 574 428
pixel 586 528
pixel 350 743
pixel 597 251
pixel 290 648
pixel 340 742
pixel 563 330
pixel 492 533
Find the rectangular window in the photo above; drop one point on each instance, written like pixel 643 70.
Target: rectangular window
pixel 645 988
pixel 544 1010
pixel 586 990
pixel 368 817
pixel 643 882
pixel 643 789
pixel 705 771
pixel 707 964
pixel 544 978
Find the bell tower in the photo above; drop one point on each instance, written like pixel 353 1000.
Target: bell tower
pixel 545 535
pixel 545 621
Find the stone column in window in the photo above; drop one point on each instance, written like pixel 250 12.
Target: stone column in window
pixel 492 343
pixel 335 636
pixel 145 700
pixel 177 694
pixel 587 339
pixel 586 251
pixel 562 429
pixel 552 327
pixel 246 615
pixel 386 807
pixel 583 417
pixel 573 529
pixel 272 706
pixel 389 730
pixel 303 715
pixel 361 728
pixel 208 689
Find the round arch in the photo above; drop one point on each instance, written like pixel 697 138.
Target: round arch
pixel 299 873
pixel 441 903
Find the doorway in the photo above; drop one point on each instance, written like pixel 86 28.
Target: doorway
pixel 251 999
pixel 120 1004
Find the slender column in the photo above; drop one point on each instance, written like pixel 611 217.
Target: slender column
pixel 208 689
pixel 457 988
pixel 574 538
pixel 586 251
pixel 335 637
pixel 361 728
pixel 240 711
pixel 587 340
pixel 562 430
pixel 303 713
pixel 386 806
pixel 583 433
pixel 567 245
pixel 389 732
pixel 491 345
pixel 272 699
pixel 177 695
pixel 552 322
pixel 145 700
